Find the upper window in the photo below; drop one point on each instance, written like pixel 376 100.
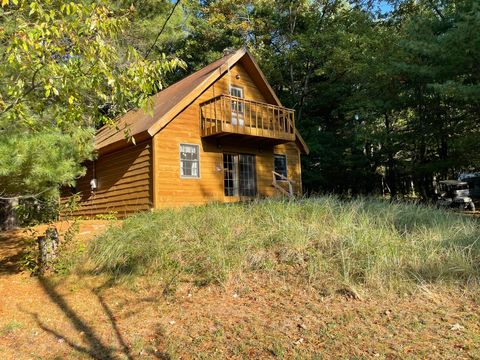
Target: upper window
pixel 236 91
pixel 189 161
pixel 280 165
pixel 237 106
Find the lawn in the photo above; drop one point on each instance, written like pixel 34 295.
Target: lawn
pixel 313 278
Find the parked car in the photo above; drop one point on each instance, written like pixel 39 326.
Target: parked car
pixel 473 180
pixel 454 194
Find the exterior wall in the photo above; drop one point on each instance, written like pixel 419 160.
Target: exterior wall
pixel 124 182
pixel 171 190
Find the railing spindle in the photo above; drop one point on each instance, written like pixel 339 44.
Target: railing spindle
pixel 273 120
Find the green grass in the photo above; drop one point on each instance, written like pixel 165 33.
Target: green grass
pixel 10 327
pixel 363 242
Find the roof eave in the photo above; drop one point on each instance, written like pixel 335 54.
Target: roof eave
pixel 217 73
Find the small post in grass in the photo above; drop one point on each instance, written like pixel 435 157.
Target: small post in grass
pixel 47 248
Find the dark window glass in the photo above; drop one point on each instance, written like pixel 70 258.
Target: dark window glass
pixel 240 177
pixel 230 165
pixel 280 164
pixel 248 176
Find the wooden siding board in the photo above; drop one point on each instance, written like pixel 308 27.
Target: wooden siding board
pixel 124 182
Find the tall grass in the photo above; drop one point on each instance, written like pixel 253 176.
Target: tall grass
pixel 363 242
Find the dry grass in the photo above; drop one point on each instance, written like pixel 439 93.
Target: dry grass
pixel 272 302
pixel 361 243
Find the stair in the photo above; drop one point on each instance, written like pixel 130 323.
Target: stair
pixel 289 193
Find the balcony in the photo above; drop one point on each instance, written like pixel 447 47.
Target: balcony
pixel 226 115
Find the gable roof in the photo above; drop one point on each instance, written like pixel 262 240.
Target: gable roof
pixel 169 102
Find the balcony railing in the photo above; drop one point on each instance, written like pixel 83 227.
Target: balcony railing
pixel 225 114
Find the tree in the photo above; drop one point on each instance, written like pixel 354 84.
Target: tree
pixel 64 74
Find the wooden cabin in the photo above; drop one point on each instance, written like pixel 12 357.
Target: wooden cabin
pixel 219 135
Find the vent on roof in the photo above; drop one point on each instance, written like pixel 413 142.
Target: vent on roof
pixel 228 51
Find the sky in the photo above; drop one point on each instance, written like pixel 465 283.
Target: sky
pixel 384 6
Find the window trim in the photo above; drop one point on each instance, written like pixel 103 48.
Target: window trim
pixel 239 104
pixel 286 165
pixel 180 158
pixel 236 87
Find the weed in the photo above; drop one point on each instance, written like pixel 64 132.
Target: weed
pixel 10 327
pixel 112 215
pixel 278 350
pixel 68 252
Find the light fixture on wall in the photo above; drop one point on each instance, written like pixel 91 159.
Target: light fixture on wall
pixel 94 182
pixel 93 185
pixel 237 76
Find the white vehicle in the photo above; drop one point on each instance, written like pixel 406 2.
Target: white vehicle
pixel 454 194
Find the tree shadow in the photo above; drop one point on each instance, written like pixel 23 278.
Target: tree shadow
pixel 12 250
pixel 95 347
pixel 11 264
pixel 106 309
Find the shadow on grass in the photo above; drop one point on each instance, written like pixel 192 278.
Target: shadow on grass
pixel 12 251
pixel 95 346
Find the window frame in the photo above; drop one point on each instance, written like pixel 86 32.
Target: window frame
pixel 235 178
pixel 237 106
pixel 283 156
pixel 181 161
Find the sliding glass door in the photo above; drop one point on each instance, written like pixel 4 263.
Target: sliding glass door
pixel 240 176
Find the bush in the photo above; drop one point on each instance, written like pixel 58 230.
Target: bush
pixel 364 241
pixel 31 212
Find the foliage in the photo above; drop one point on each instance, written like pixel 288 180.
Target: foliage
pixel 387 102
pixel 66 75
pixel 365 242
pixel 10 327
pixel 29 258
pixel 31 212
pixel 112 215
pixel 69 251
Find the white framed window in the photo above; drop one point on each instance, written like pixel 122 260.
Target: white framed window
pixel 189 161
pixel 237 106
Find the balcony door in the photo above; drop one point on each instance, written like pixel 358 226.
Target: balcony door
pixel 237 106
pixel 240 175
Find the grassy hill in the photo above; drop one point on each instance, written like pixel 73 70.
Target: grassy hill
pixel 315 278
pixel 324 241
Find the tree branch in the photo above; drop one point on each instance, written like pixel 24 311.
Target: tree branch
pixel 31 196
pixel 25 93
pixel 436 9
pixel 161 30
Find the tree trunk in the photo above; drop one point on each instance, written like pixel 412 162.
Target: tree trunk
pixel 10 220
pixel 47 248
pixel 391 166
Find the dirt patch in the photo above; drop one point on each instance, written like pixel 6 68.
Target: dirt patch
pixel 263 316
pixel 13 243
